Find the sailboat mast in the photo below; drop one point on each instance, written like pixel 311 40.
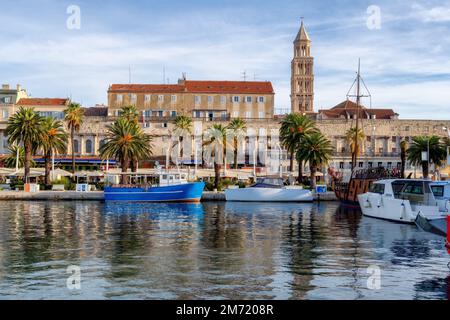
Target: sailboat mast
pixel 358 102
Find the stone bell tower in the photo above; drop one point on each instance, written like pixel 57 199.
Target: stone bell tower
pixel 302 78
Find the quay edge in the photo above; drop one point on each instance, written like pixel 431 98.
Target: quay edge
pixel 98 196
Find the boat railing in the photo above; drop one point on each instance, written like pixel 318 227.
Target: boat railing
pixel 376 174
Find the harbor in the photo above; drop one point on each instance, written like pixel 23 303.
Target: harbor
pixel 227 158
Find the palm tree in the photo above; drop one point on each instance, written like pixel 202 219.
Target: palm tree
pixel 124 142
pixel 25 127
pixel 237 128
pixel 74 119
pixel 217 142
pixel 352 137
pixel 183 128
pixel 54 140
pixel 422 144
pixel 317 151
pixel 403 152
pixel 294 128
pixel 11 158
pixel 130 113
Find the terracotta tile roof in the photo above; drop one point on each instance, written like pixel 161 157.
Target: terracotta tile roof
pixel 348 108
pixel 96 112
pixel 143 88
pixel 42 102
pixel 249 87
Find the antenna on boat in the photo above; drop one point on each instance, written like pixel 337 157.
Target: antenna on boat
pixel 358 97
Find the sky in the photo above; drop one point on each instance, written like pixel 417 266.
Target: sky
pixel 404 47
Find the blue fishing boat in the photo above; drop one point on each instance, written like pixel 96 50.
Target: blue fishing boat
pixel 169 188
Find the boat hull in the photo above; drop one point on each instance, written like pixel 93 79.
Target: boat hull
pixel 392 209
pixel 185 193
pixel 268 195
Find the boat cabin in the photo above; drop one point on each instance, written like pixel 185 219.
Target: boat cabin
pixel 415 191
pixel 269 183
pixel 441 190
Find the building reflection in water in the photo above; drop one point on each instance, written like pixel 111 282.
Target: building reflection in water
pixel 213 250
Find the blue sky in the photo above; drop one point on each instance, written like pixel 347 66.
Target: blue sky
pixel 405 64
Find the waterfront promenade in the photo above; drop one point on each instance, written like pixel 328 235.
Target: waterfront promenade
pixel 98 196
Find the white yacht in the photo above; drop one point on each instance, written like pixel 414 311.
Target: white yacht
pixel 269 190
pixel 403 200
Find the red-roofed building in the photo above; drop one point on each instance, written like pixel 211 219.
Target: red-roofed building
pixel 46 107
pixel 200 99
pixel 348 110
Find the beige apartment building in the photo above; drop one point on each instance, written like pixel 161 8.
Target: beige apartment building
pixel 207 100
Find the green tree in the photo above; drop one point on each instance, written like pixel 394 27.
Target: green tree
pixel 317 151
pixel 216 140
pixel 356 143
pixel 54 140
pixel 74 119
pixel 25 127
pixel 294 128
pixel 183 128
pixel 124 142
pixel 438 152
pixel 11 158
pixel 237 128
pixel 130 113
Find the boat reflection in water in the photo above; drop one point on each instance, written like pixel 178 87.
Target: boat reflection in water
pixel 213 250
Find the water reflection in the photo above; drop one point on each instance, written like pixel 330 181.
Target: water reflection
pixel 213 250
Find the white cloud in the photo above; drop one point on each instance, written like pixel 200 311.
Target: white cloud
pixel 435 14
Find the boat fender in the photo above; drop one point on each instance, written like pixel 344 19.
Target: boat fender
pixel 403 215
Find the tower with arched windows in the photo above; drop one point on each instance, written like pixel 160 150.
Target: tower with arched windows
pixel 302 78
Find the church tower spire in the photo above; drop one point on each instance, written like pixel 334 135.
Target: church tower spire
pixel 302 74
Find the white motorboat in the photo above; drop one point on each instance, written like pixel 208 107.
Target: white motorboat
pixel 269 190
pixel 403 200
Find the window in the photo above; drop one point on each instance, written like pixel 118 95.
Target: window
pixel 102 142
pixel 389 165
pixel 76 146
pixel 407 128
pixel 165 125
pixel 88 147
pixel 174 98
pixel 160 114
pixel 377 188
pixel 147 97
pixel 173 114
pixel 133 98
pixel 235 114
pixel 160 98
pixel 380 164
pixel 223 114
pixel 370 164
pixel 119 98
pixel 236 99
pixel 197 114
pixel 210 99
pixel 341 165
pixel 248 114
pixel 223 99
pixel 5 114
pixel 261 115
pixel 198 99
pixel 147 113
pixel 7 100
pixel 248 99
pixel 361 165
pixel 261 99
pixel 438 191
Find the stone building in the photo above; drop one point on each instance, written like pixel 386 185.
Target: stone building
pixel 208 100
pixel 302 74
